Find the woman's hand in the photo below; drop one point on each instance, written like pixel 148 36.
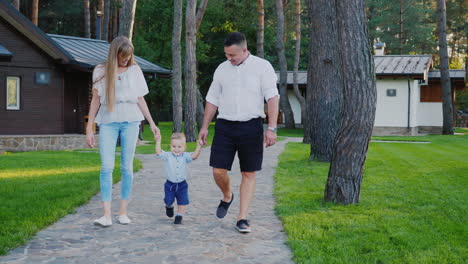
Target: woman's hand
pixel 90 141
pixel 155 131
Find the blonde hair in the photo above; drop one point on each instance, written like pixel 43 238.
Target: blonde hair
pixel 120 46
pixel 180 136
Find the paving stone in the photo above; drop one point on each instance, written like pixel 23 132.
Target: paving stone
pixel 153 238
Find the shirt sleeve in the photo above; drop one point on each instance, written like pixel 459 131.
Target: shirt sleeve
pixel 188 157
pixel 99 80
pixel 140 83
pixel 162 156
pixel 269 79
pixel 215 90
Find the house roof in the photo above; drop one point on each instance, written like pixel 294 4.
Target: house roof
pixel 416 66
pixel 79 52
pixel 454 74
pixel 31 31
pixel 90 52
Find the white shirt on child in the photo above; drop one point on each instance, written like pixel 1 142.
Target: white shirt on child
pixel 176 166
pixel 129 85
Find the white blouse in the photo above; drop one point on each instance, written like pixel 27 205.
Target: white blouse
pixel 129 85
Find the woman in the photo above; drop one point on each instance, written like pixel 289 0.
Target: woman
pixel 118 90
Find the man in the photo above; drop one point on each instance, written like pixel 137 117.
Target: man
pixel 240 86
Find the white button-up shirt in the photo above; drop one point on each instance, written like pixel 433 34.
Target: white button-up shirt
pixel 239 91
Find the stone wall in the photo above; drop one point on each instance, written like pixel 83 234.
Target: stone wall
pixel 403 131
pixel 43 142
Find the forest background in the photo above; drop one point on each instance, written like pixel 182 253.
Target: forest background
pixel 405 26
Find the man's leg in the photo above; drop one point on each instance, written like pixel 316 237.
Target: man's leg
pixel 222 180
pixel 247 189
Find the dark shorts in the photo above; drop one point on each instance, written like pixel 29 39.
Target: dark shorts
pixel 177 191
pixel 245 138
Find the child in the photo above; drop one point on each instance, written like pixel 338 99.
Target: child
pixel 176 186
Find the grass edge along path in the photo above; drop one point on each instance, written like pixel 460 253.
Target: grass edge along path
pixel 39 188
pixel 413 206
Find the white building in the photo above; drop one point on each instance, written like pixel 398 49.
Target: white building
pixel 409 97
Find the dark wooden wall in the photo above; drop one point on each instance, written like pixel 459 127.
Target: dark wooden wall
pixel 41 106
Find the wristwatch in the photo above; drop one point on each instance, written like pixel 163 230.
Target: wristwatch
pixel 273 129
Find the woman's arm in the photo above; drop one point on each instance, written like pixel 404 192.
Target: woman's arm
pixel 93 108
pixel 144 109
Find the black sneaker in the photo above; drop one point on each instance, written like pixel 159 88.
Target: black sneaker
pixel 178 220
pixel 243 226
pixel 169 211
pixel 223 207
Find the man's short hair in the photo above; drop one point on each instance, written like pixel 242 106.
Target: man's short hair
pixel 235 38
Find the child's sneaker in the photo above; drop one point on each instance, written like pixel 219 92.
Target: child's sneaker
pixel 103 222
pixel 178 220
pixel 169 211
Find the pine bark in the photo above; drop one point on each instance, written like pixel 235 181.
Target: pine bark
pixel 105 24
pixel 325 80
pixel 190 71
pixel 87 19
pixel 127 18
pixel 359 97
pixel 297 57
pixel 260 28
pixel 177 111
pixel 35 12
pixel 284 100
pixel 447 107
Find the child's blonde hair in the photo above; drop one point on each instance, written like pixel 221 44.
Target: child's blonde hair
pixel 180 136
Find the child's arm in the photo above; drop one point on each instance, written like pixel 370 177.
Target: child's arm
pixel 197 151
pixel 158 144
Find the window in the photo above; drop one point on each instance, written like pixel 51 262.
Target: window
pixel 13 93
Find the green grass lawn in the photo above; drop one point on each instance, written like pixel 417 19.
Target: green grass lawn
pixel 38 188
pixel 413 206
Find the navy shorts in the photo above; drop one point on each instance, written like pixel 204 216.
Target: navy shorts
pixel 245 138
pixel 177 191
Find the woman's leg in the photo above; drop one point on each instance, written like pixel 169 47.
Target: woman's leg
pixel 128 140
pixel 108 134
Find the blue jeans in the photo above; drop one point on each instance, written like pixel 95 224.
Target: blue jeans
pixel 108 134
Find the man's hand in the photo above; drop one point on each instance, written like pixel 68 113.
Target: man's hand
pixel 269 138
pixel 202 135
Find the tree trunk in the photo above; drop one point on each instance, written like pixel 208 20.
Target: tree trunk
pixel 105 25
pixel 16 4
pixel 35 12
pixel 200 109
pixel 297 56
pixel 359 95
pixel 447 109
pixel 260 28
pixel 115 21
pixel 284 100
pixel 177 112
pixel 325 83
pixel 200 13
pixel 400 33
pixel 87 19
pixel 190 71
pixel 127 18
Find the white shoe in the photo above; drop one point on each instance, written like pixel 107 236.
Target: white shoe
pixel 103 222
pixel 123 220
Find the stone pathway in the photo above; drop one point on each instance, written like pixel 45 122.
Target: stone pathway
pixel 153 238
